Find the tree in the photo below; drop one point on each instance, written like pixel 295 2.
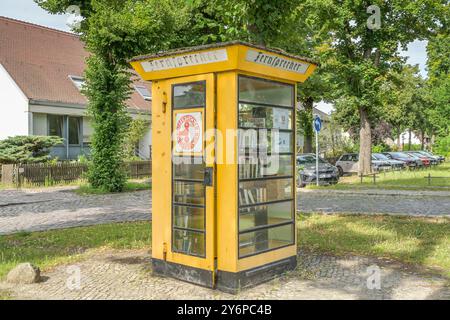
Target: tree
pixel 362 56
pixel 114 31
pixel 27 149
pixel 438 84
pixel 402 102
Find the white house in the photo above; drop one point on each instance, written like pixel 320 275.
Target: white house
pixel 41 73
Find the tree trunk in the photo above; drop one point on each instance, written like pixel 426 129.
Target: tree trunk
pixel 409 139
pixel 365 142
pixel 399 142
pixel 422 140
pixel 308 130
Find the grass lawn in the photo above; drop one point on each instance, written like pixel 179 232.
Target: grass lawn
pixel 132 185
pixel 407 180
pixel 420 241
pixel 49 248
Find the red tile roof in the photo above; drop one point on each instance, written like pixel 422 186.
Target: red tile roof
pixel 40 60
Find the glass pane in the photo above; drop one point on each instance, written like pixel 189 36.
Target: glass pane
pixel 144 92
pixel 188 168
pixel 74 131
pixel 248 141
pixel 268 92
pixel 189 95
pixel 252 116
pixel 266 239
pixel 260 140
pixel 189 217
pixel 269 214
pixel 259 191
pixel 255 166
pixel 189 192
pixel 55 126
pixel 275 142
pixel 189 242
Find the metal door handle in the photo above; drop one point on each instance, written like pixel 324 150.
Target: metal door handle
pixel 209 177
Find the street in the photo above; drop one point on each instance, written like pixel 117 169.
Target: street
pixel 56 208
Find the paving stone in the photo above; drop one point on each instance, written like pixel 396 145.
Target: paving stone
pixel 25 210
pixel 55 208
pixel 125 275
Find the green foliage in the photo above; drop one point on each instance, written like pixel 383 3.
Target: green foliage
pixel 361 58
pixel 412 147
pixel 114 31
pixel 83 159
pixel 379 148
pixel 136 131
pixel 27 149
pixel 439 81
pixel 442 146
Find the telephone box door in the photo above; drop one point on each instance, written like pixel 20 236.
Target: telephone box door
pixel 193 175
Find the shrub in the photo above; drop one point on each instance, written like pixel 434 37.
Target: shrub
pixel 442 146
pixel 27 149
pixel 379 148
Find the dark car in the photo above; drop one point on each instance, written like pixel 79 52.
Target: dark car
pixel 435 159
pixel 395 164
pixel 328 174
pixel 399 156
pixel 439 157
pixel 427 161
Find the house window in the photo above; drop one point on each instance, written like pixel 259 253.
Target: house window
pixel 55 125
pixel 77 81
pixel 144 92
pixel 74 131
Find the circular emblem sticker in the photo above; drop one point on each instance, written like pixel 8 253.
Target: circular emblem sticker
pixel 189 132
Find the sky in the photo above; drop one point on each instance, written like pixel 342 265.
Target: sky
pixel 28 10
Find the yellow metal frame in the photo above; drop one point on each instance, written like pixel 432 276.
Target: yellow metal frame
pixel 236 61
pixel 221 114
pixel 227 201
pixel 162 173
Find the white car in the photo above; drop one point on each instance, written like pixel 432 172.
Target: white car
pixel 349 163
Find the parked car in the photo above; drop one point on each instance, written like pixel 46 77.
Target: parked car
pixel 328 174
pixel 436 159
pixel 395 164
pixel 425 160
pixel 349 163
pixel 399 156
pixel 440 158
pixel 421 161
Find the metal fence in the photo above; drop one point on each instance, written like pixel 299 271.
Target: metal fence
pixel 42 174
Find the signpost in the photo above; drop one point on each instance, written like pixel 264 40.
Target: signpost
pixel 317 128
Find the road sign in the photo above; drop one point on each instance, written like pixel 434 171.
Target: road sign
pixel 317 123
pixel 317 127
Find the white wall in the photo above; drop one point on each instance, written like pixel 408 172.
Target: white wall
pixel 404 139
pixel 14 117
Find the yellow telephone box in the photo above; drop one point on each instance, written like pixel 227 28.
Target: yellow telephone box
pixel 224 191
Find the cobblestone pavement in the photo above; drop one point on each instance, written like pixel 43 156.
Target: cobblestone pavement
pixel 371 201
pixel 54 208
pixel 128 275
pixel 32 210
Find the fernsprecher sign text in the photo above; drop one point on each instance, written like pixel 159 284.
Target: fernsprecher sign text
pixel 191 59
pixel 276 61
